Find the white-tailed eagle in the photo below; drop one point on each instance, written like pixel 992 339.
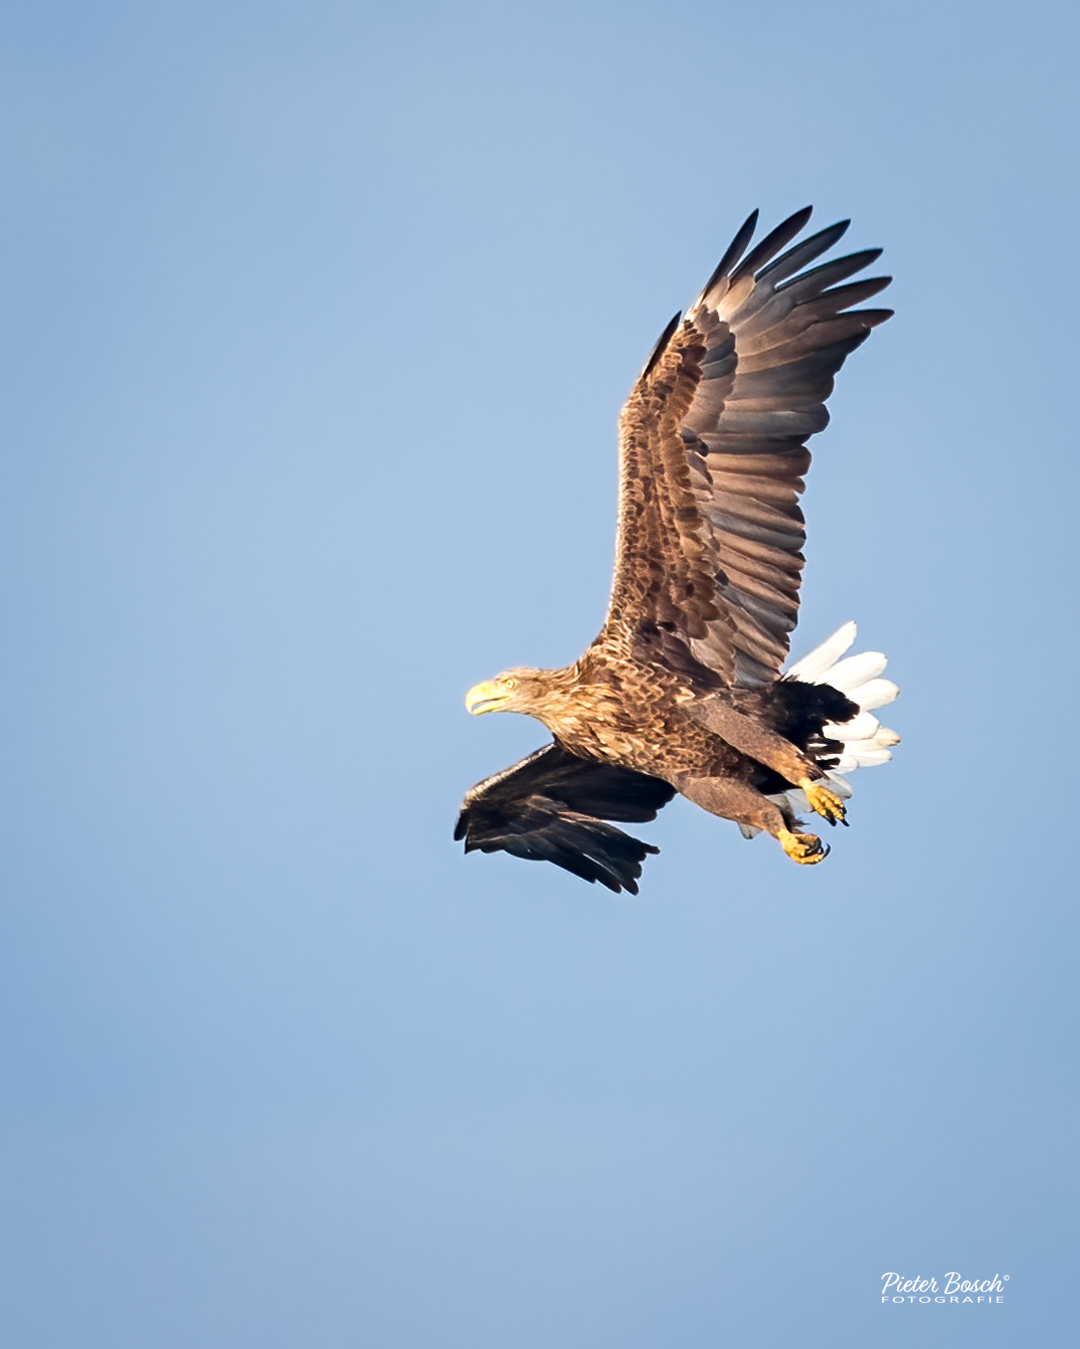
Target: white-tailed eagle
pixel 684 690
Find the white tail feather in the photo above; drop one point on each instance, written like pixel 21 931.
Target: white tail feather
pixel 862 726
pixel 823 657
pixel 849 674
pixel 874 693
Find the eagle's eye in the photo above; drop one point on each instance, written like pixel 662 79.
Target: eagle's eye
pixel 510 683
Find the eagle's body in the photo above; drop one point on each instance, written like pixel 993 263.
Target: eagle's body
pixel 643 717
pixel 621 712
pixel 683 690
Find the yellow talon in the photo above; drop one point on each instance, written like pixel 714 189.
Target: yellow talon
pixel 827 804
pixel 806 849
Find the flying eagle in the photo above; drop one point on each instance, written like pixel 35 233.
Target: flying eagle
pixel 683 690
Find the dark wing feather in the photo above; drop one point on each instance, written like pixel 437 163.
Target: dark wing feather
pixel 714 452
pixel 551 807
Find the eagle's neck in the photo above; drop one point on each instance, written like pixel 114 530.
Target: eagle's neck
pixel 589 716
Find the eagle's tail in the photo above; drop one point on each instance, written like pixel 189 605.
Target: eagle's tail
pixel 864 741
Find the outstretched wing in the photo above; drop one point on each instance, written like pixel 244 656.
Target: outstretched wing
pixel 551 807
pixel 714 452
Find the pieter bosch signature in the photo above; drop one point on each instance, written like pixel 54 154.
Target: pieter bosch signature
pixel 895 1288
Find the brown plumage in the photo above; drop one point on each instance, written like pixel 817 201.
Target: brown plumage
pixel 682 690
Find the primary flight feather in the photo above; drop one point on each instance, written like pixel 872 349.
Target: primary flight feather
pixel 683 690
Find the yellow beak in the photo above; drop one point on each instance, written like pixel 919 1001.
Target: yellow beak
pixel 484 697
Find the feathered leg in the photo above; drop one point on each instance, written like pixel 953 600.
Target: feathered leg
pixel 764 746
pixel 738 801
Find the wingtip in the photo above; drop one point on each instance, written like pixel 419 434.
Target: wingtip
pixel 839 230
pixel 661 345
pixel 732 253
pixel 773 242
pixel 797 221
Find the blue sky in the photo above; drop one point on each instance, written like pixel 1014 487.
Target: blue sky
pixel 317 321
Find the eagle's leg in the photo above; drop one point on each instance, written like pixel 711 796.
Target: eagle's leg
pixel 766 747
pixel 734 800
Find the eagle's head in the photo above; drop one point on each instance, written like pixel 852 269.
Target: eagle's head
pixel 519 690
